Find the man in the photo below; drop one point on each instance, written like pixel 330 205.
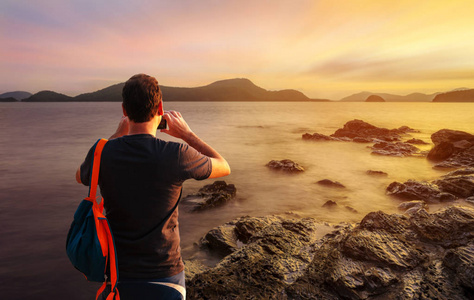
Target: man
pixel 140 180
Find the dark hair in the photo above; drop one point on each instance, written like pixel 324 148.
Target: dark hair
pixel 141 98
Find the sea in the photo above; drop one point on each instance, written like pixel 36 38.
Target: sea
pixel 42 145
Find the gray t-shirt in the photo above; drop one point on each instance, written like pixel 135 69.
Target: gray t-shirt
pixel 140 180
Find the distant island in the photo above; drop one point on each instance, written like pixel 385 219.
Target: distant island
pixel 237 89
pixel 466 95
pixel 374 98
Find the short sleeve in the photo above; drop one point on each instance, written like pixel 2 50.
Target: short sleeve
pixel 86 167
pixel 193 164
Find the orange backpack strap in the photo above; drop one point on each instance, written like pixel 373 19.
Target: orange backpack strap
pixel 102 225
pixel 96 168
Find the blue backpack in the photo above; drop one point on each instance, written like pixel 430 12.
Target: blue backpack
pixel 90 244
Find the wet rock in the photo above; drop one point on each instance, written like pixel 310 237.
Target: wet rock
pixel 410 207
pixel 361 132
pixel 461 262
pixel 458 184
pixel 318 137
pixel 273 257
pixel 376 173
pixel 361 129
pixel 454 148
pixel 221 241
pixel 330 183
pixel 351 209
pixel 285 165
pixel 330 204
pixel 421 256
pixel 192 268
pixel 395 149
pixel 211 196
pixel 470 200
pixel 362 140
pixel 414 190
pixel 417 142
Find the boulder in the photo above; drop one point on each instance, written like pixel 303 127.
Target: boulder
pixel 416 142
pixel 395 149
pixel 285 165
pixel 454 148
pixel 455 185
pixel 329 204
pixel 420 256
pixel 330 183
pixel 361 132
pixel 376 173
pixel 361 129
pixel 211 196
pixel 318 137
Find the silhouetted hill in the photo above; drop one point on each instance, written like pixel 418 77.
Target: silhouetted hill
pixel 18 95
pixel 239 89
pixel 111 93
pixel 374 98
pixel 48 96
pixel 225 90
pixel 456 96
pixel 414 97
pixel 9 99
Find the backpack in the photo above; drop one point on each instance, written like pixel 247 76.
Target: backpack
pixel 90 244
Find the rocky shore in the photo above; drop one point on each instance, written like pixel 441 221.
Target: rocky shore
pixel 416 256
pixel 410 255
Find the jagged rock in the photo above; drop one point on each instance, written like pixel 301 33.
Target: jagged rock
pixel 454 148
pixel 351 209
pixel 376 173
pixel 361 129
pixel 285 165
pixel 452 186
pixel 329 204
pixel 421 256
pixel 414 190
pixel 274 256
pixel 416 141
pixel 361 132
pixel 318 137
pixel 395 149
pixel 412 206
pixel 330 183
pixel 193 267
pixel 211 196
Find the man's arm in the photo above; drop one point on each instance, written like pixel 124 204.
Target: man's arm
pixel 122 129
pixel 180 129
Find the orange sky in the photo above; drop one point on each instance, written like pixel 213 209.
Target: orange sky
pixel 326 49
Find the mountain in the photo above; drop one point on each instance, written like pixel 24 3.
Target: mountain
pixel 239 89
pixel 9 99
pixel 18 95
pixel 111 93
pixel 414 97
pixel 48 96
pixel 460 95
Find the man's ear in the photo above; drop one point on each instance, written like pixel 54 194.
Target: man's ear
pixel 124 111
pixel 160 108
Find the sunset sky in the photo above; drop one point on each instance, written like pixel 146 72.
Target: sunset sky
pixel 325 49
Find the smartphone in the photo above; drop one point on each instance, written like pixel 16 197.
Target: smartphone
pixel 162 124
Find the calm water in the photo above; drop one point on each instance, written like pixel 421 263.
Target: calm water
pixel 42 144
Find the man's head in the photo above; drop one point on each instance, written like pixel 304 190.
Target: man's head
pixel 142 98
